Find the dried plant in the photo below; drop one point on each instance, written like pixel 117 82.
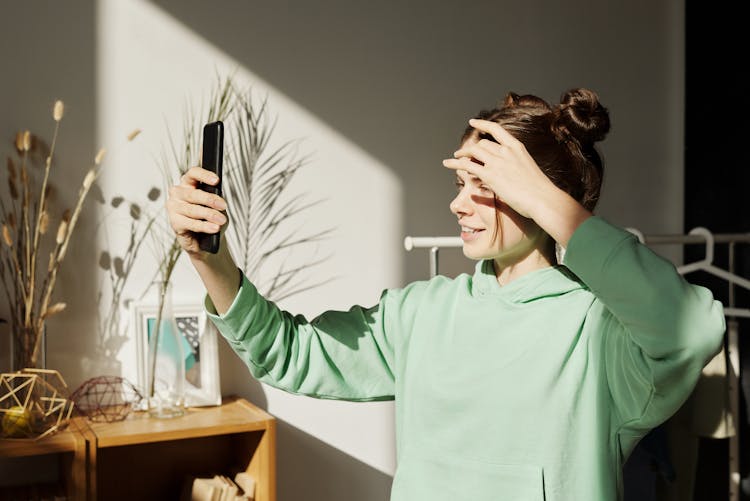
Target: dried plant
pixel 183 156
pixel 256 177
pixel 255 182
pixel 26 220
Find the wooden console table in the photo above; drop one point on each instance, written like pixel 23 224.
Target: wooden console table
pixel 145 458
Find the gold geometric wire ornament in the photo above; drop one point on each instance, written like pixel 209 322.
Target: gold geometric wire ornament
pixel 33 404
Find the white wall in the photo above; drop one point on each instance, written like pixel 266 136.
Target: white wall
pixel 380 92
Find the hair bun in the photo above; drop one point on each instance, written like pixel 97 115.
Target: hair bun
pixel 581 116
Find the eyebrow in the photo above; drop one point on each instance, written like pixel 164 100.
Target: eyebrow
pixel 472 177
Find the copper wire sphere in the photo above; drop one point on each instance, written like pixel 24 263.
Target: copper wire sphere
pixel 106 398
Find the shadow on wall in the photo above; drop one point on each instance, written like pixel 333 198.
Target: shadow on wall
pixel 337 475
pixel 364 69
pixel 235 377
pixel 400 81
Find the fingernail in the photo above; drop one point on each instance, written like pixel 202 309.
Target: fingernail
pixel 213 227
pixel 214 179
pixel 220 204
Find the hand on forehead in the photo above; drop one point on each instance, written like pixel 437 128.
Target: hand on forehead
pixel 494 129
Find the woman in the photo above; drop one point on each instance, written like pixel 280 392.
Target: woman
pixel 529 380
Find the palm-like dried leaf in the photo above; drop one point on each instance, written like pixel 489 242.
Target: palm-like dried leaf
pixel 256 181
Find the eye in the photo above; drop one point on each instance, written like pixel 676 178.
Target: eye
pixel 459 185
pixel 478 183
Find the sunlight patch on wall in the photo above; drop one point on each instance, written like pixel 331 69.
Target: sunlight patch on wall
pixel 148 67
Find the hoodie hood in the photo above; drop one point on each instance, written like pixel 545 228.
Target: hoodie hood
pixel 538 284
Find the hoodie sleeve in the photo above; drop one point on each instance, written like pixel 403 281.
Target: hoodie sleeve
pixel 662 330
pixel 346 355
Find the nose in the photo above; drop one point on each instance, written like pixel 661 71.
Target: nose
pixel 461 205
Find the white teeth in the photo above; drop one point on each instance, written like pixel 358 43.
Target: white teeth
pixel 468 230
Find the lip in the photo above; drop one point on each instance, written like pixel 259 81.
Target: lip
pixel 469 237
pixel 464 225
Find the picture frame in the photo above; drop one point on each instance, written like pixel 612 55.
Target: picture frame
pixel 202 385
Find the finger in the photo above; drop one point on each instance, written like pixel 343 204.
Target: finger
pixel 199 212
pixel 494 129
pixel 478 152
pixel 490 147
pixel 477 156
pixel 200 197
pixel 463 163
pixel 195 175
pixel 181 224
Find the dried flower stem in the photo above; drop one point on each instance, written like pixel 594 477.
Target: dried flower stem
pixel 25 223
pixel 57 115
pixel 167 267
pixel 25 216
pixel 61 250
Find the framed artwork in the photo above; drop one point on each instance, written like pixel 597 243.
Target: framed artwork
pixel 200 348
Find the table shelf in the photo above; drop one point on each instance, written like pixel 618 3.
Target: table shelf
pixel 147 458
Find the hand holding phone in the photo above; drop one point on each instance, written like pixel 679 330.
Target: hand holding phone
pixel 212 159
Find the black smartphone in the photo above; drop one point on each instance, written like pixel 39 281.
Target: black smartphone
pixel 212 159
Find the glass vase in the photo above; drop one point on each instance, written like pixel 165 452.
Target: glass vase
pixel 22 343
pixel 166 350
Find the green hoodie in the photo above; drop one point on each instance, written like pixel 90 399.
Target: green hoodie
pixel 537 390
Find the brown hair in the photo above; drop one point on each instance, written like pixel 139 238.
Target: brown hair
pixel 559 138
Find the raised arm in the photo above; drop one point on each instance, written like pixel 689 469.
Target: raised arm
pixel 664 329
pixel 347 355
pixel 658 331
pixel 193 211
pixel 341 355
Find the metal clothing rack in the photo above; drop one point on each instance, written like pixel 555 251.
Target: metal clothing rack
pixel 696 236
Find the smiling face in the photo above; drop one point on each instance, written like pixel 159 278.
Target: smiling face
pixel 490 229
